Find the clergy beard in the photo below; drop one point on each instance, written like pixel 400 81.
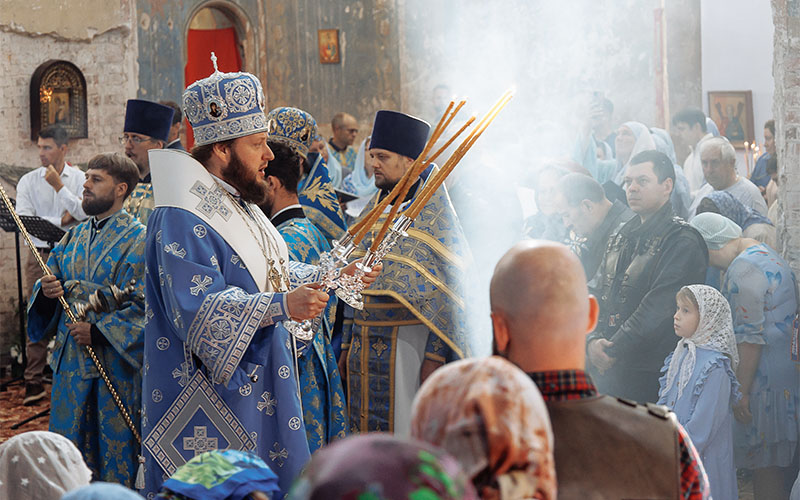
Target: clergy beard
pixel 251 188
pixel 97 206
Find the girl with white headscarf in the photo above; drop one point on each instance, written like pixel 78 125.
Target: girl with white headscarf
pixel 700 385
pixel 40 465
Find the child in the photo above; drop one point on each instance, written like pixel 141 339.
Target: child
pixel 700 385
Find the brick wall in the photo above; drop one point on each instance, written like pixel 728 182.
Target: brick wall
pixel 108 62
pixel 786 109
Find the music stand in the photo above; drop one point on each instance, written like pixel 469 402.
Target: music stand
pixel 46 231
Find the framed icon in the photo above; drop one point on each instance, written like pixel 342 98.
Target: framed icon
pixel 58 97
pixel 732 111
pixel 328 46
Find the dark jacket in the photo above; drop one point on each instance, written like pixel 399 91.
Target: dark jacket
pixel 644 267
pixel 591 252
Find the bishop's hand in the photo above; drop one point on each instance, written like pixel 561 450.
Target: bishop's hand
pixel 368 278
pixel 306 302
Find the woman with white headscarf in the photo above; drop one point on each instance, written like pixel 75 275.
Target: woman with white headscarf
pixel 40 465
pixel 761 289
pixel 699 383
pixel 360 181
pixel 632 138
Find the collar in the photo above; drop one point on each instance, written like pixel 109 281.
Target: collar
pixel 173 142
pixel 658 218
pixel 335 147
pixel 65 172
pixel 227 187
pixel 147 179
pixel 98 224
pixel 287 213
pixel 564 385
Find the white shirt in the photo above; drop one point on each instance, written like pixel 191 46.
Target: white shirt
pixel 36 197
pixel 743 190
pixel 693 168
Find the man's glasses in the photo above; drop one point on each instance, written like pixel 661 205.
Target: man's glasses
pixel 133 138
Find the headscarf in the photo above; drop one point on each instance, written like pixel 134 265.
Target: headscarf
pixel 381 466
pixel 40 465
pixel 644 142
pixel 681 192
pixel 714 332
pixel 103 491
pixel 715 229
pixel 334 167
pixel 490 415
pixel 736 211
pixel 357 182
pixel 220 475
pixel 711 127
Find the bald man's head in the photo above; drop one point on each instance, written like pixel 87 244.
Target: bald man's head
pixel 538 291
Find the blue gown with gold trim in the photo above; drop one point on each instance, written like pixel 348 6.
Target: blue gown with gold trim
pixel 81 406
pixel 322 392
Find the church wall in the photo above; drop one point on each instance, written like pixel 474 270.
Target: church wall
pixel 786 109
pixel 286 59
pixel 100 41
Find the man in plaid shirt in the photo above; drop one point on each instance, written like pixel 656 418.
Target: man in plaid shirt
pixel 614 448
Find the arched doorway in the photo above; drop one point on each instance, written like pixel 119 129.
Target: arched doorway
pixel 222 28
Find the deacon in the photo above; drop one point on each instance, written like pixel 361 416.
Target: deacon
pixel 147 126
pixel 322 393
pixel 107 249
pixel 413 318
pixel 219 370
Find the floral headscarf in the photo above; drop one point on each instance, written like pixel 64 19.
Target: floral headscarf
pixel 220 475
pixel 40 465
pixel 490 415
pixel 381 466
pixel 714 331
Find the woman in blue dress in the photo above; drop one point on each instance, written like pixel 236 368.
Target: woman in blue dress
pixel 760 287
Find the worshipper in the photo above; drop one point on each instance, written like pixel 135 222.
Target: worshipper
pixel 651 257
pixel 40 465
pixel 681 196
pixel 413 319
pixel 759 176
pixel 147 126
pixel 107 249
pixel 594 220
pixel 753 224
pixel 360 181
pixel 699 383
pixel 219 369
pixel 490 415
pixel 340 145
pixel 718 160
pixel 690 126
pixel 602 124
pixel 547 223
pixel 174 139
pixel 102 491
pixel 771 192
pixel 711 127
pixel 221 475
pixel 322 393
pixel 761 289
pixel 604 447
pixel 382 467
pixel 53 192
pixel 632 138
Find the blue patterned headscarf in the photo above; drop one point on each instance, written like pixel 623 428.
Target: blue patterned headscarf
pixel 220 475
pixel 736 211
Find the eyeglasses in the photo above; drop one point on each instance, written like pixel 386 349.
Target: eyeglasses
pixel 134 139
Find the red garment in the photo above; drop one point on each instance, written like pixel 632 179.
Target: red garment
pixel 199 46
pixel 576 384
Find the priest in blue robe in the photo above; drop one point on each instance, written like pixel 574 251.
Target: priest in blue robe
pixel 105 250
pixel 220 371
pixel 322 392
pixel 414 317
pixel 147 126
